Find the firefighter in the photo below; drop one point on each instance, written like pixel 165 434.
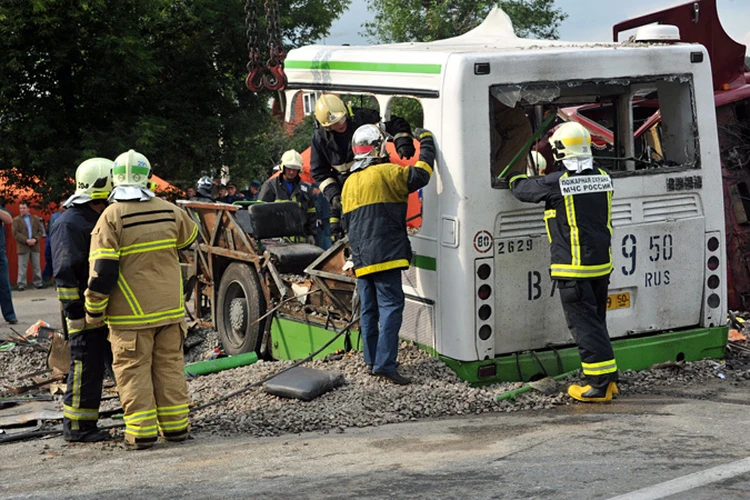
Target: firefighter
pixel 204 190
pixel 288 186
pixel 90 351
pixel 136 285
pixel 331 155
pixel 578 215
pixel 374 201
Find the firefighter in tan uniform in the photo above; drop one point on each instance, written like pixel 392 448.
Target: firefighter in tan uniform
pixel 136 286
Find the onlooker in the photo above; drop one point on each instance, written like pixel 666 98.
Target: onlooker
pixel 222 192
pixel 190 193
pixel 254 190
pixel 47 271
pixel 27 231
pixel 6 297
pixel 232 194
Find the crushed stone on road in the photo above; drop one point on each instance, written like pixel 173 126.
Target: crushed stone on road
pixel 367 400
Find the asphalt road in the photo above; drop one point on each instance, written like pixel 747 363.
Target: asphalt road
pixel 690 444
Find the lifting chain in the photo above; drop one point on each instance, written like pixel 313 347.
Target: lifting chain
pixel 271 76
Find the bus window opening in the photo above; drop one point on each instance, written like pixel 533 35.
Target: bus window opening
pixel 637 125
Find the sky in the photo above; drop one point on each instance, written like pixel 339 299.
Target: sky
pixel 588 20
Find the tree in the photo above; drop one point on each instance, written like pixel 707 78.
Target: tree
pixel 83 78
pixel 427 20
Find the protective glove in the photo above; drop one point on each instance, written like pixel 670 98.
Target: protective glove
pixel 336 204
pixel 337 230
pixel 310 239
pixel 404 145
pixel 94 320
pixel 76 325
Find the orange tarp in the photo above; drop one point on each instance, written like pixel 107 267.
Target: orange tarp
pixel 22 194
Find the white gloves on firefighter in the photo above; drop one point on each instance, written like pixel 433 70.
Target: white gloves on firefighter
pixel 310 239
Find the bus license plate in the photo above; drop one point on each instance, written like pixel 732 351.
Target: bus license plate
pixel 618 301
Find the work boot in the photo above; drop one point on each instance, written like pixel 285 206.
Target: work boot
pixel 589 394
pixel 140 444
pixel 91 436
pixel 394 377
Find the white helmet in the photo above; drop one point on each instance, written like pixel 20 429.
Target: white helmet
pixel 130 177
pixel 291 159
pixel 540 162
pixel 93 181
pixel 368 144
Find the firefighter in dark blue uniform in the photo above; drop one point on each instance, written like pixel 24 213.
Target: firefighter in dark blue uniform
pixel 578 217
pixel 331 154
pixel 90 350
pixel 374 200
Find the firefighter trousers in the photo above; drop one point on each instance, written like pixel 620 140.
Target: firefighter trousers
pixel 585 305
pixel 89 354
pixel 149 366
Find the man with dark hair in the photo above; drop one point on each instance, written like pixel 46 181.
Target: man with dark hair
pixel 27 231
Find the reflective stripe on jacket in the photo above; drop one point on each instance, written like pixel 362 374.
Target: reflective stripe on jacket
pixel 70 256
pixel 579 226
pixel 374 202
pixel 135 275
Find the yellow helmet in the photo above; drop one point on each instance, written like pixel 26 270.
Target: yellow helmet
pixel 329 110
pixel 291 159
pixel 93 181
pixel 570 140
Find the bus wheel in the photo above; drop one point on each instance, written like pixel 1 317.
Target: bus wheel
pixel 240 303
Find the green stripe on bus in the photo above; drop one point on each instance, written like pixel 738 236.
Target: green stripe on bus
pixel 429 69
pixel 424 262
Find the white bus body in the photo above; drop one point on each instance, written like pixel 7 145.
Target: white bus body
pixel 663 216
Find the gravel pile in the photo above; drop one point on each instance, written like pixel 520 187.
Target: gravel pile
pixel 16 363
pixel 199 343
pixel 366 400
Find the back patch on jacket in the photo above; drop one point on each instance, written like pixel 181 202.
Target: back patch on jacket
pixel 585 184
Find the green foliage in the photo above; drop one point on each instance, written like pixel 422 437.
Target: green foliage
pixel 427 20
pixel 83 78
pixel 410 109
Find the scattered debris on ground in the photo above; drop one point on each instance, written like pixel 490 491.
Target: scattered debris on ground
pixel 364 399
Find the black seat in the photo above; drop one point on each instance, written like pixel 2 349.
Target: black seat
pixel 294 258
pixel 280 220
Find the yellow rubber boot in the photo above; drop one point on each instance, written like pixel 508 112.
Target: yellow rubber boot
pixel 588 394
